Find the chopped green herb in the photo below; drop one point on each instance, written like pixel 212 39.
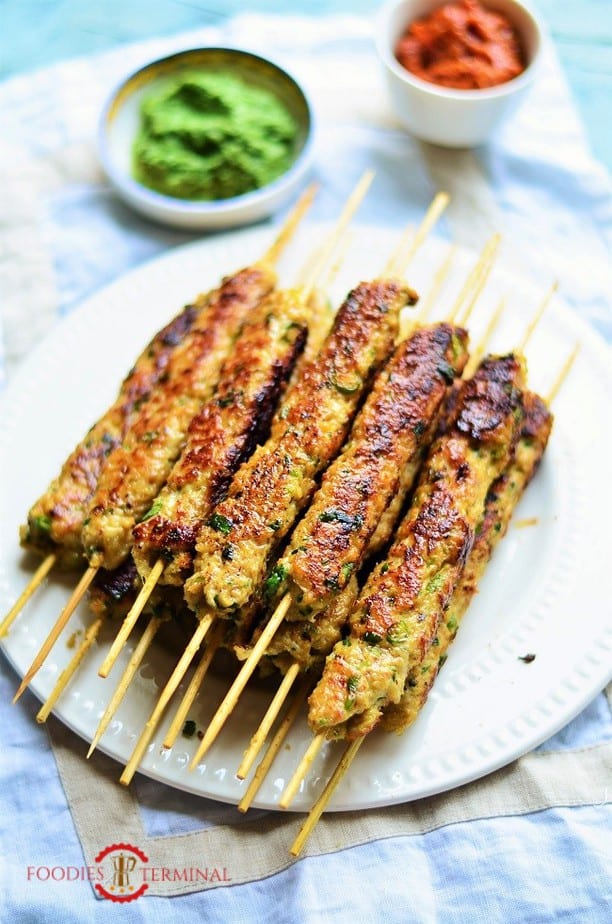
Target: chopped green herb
pixel 274 581
pixel 435 583
pixel 149 436
pixel 346 387
pixel 275 525
pixel 384 567
pixel 220 523
pixel 338 516
pixel 447 372
pixel 152 511
pixel 419 428
pixel 372 638
pixel 42 523
pixel 452 624
pixel 352 683
pixel 347 569
pixel 443 659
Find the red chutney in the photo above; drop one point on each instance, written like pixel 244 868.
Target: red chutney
pixel 462 45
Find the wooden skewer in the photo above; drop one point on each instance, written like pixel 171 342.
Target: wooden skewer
pixel 257 741
pixel 34 583
pixel 273 253
pixel 275 745
pixel 178 722
pixel 563 374
pixel 402 257
pixel 166 695
pixel 537 317
pixel 327 250
pixel 319 807
pixel 290 790
pixel 233 695
pixel 130 620
pixel 438 281
pixel 483 277
pixel 126 678
pixel 51 639
pixel 479 351
pixel 69 671
pixel 481 266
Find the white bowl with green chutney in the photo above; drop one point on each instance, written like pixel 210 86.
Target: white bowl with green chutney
pixel 207 138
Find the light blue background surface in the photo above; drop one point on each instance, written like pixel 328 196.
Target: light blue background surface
pixel 37 32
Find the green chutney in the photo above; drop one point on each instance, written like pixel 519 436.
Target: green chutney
pixel 210 135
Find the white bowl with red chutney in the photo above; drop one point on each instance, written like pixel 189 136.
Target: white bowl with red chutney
pixel 456 68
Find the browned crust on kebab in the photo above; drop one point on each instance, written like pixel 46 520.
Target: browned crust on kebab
pixel 226 431
pixel 307 432
pixel 136 470
pixel 500 503
pixel 399 416
pixel 64 503
pixel 397 616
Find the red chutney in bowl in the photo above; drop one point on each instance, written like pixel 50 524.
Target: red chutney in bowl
pixel 462 45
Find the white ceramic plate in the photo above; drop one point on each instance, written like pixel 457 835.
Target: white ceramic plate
pixel 546 592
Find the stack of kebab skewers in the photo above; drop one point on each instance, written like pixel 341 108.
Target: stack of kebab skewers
pixel 342 583
pixel 352 514
pixel 114 475
pixel 418 654
pixel 275 485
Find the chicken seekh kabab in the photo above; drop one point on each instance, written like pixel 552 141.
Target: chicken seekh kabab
pixel 501 500
pixel 220 436
pixel 95 497
pixel 269 491
pixel 403 600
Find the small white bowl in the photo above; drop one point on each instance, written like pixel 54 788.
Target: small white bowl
pixel 453 118
pixel 120 120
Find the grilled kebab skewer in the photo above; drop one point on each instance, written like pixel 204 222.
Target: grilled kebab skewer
pixel 500 504
pixel 220 436
pixel 271 488
pixel 153 432
pixel 502 498
pixel 403 600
